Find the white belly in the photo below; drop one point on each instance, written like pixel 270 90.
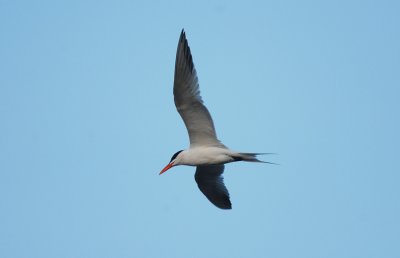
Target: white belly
pixel 206 156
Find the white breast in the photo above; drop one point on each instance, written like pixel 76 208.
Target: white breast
pixel 206 156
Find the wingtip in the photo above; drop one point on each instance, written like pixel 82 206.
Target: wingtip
pixel 182 39
pixel 184 50
pixel 227 206
pixel 183 34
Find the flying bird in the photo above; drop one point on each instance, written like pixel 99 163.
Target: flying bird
pixel 206 152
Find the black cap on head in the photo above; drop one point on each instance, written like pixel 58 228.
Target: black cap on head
pixel 174 156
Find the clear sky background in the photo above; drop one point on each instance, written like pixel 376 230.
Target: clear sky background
pixel 88 121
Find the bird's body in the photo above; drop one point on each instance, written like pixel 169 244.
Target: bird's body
pixel 206 152
pixel 205 155
pixel 210 155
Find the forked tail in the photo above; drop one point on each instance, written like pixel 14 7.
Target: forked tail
pixel 251 157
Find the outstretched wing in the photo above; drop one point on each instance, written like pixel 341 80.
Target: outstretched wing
pixel 188 101
pixel 211 184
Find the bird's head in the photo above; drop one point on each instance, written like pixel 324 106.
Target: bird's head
pixel 173 162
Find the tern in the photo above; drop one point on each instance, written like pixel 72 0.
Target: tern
pixel 205 152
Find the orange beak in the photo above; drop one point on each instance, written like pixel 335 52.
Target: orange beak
pixel 166 168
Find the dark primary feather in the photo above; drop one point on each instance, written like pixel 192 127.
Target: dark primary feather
pixel 211 183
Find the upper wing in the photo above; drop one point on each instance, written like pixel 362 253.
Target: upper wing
pixel 211 183
pixel 188 101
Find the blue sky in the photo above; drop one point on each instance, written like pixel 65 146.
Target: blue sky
pixel 88 121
